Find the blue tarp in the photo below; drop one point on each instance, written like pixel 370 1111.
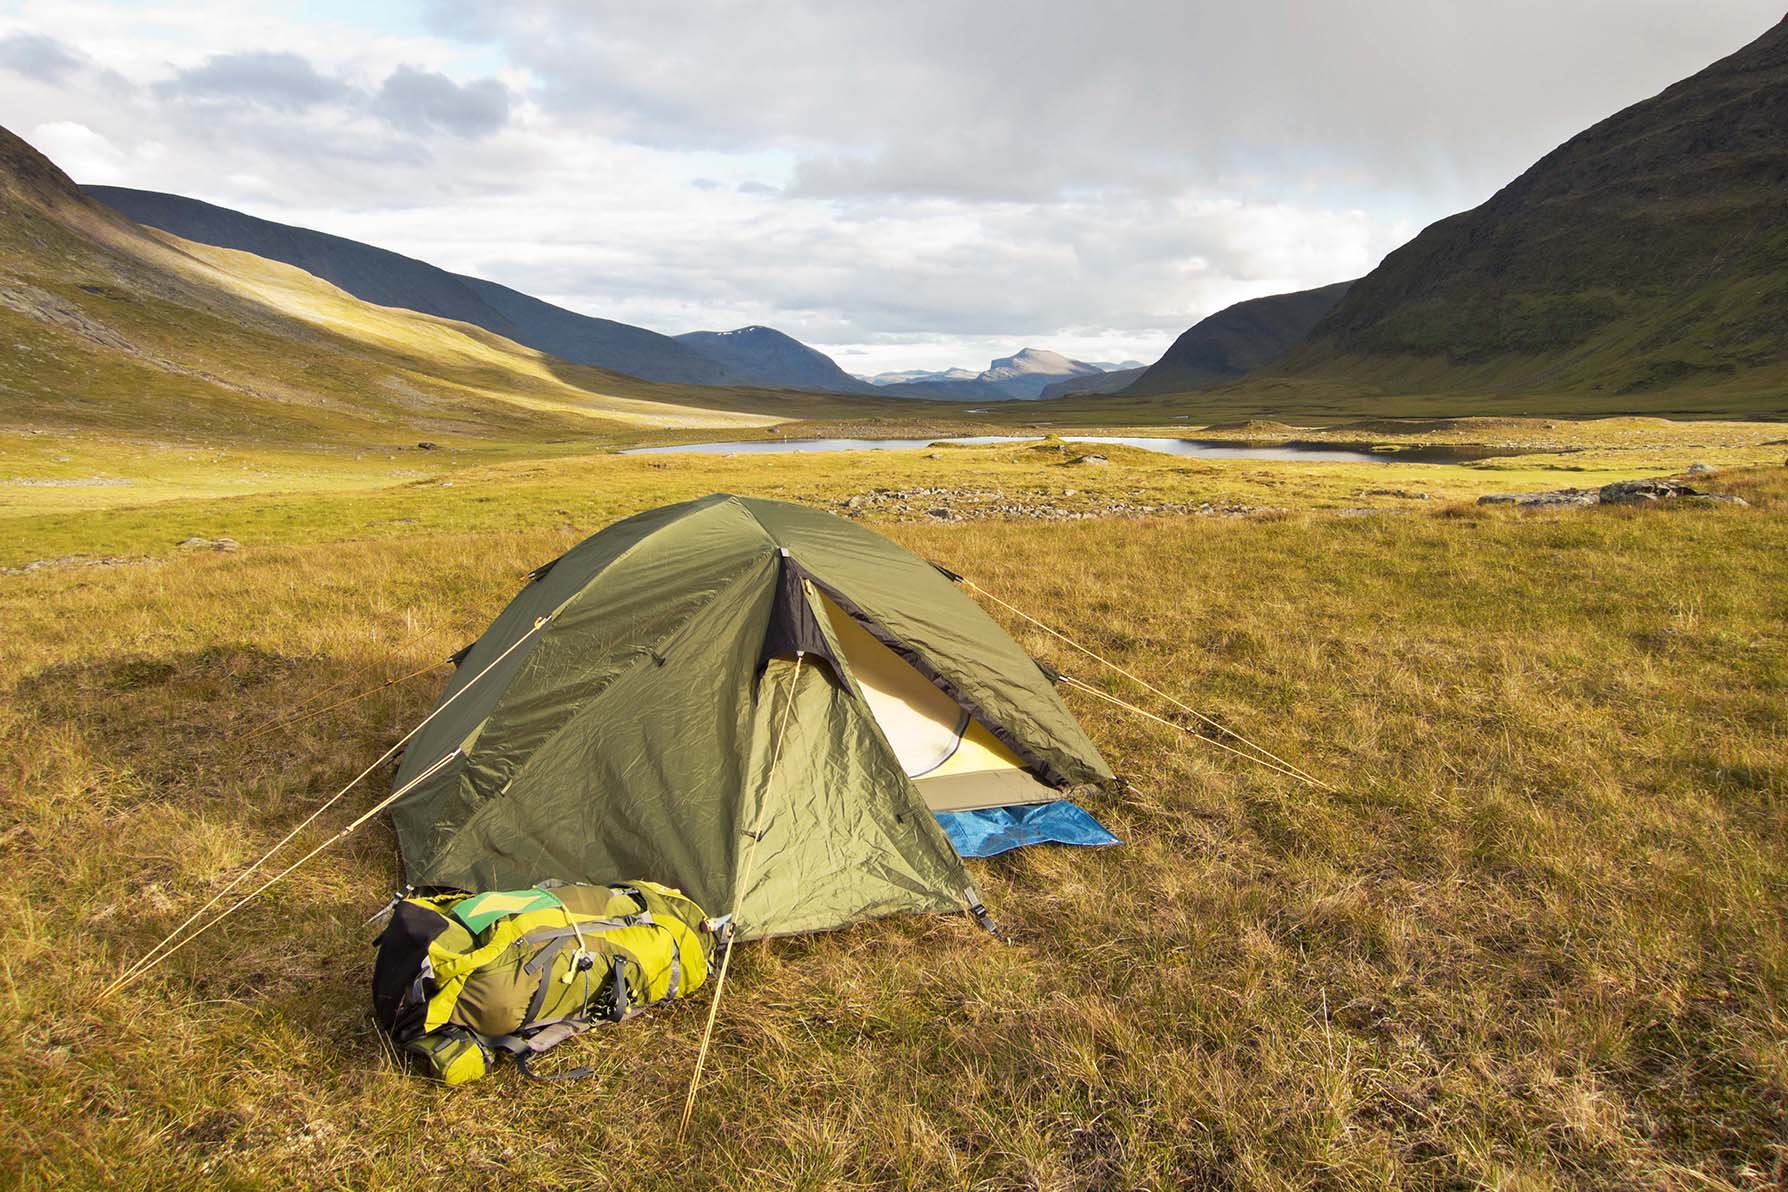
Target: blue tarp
pixel 995 830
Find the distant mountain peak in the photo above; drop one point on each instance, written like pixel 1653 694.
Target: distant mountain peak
pixel 1022 376
pixel 1029 371
pixel 1040 360
pixel 766 358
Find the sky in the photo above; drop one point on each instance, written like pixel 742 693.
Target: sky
pixel 901 183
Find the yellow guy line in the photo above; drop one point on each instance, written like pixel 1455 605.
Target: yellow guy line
pixel 1278 762
pixel 162 950
pixel 744 886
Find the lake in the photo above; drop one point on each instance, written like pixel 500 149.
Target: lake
pixel 1311 452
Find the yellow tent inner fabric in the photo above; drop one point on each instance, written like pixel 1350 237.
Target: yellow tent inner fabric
pixel 955 761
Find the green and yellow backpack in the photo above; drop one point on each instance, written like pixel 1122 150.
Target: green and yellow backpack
pixel 462 977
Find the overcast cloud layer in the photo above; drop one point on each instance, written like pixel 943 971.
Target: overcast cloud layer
pixel 910 184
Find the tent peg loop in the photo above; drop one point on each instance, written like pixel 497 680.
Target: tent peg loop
pixel 386 910
pixel 986 923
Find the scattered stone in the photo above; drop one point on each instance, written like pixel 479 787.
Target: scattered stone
pixel 1096 460
pixel 1555 499
pixel 1644 492
pixel 1638 492
pixel 1402 493
pixel 223 544
pixel 1621 492
pixel 76 561
pixel 964 505
pixel 426 446
pixel 1701 470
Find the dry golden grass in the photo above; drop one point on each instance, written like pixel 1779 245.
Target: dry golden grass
pixel 272 495
pixel 1536 939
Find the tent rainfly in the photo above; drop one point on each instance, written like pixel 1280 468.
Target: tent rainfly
pixel 632 735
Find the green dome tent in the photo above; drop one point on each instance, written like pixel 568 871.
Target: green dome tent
pixel 619 719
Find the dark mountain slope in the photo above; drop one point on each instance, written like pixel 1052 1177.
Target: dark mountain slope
pixel 390 279
pixel 1650 249
pixel 766 357
pixel 1237 340
pixel 1113 381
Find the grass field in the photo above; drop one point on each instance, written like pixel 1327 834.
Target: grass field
pixel 1537 938
pixel 51 487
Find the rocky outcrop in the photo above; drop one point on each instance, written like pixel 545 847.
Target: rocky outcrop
pixel 1621 492
pixel 1553 499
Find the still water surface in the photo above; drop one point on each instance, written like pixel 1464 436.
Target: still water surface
pixel 1351 453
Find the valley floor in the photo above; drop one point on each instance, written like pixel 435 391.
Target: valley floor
pixel 95 498
pixel 1538 937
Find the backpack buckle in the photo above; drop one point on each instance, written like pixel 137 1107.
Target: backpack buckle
pixel 581 962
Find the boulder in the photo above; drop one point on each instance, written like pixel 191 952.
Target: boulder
pixel 1621 492
pixel 1645 492
pixel 1555 499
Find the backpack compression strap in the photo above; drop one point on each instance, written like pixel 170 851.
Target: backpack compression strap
pixel 544 1039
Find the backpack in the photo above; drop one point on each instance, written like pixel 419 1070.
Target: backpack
pixel 462 977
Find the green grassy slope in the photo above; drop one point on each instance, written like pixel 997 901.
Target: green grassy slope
pixel 1647 255
pixel 387 278
pixel 114 330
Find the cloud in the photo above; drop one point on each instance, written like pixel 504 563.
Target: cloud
pixel 37 57
pixel 913 184
pixel 1034 100
pixel 84 155
pixel 423 101
pixel 275 78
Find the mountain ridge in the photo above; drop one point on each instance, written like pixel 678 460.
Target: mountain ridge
pixel 388 278
pixel 116 328
pixel 769 358
pixel 1236 340
pixel 1022 376
pixel 1112 380
pixel 1649 250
